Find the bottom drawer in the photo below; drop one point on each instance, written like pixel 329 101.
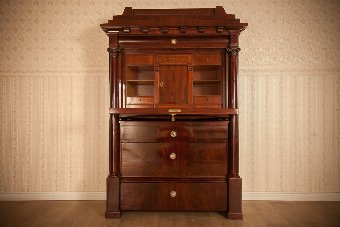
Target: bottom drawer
pixel 174 196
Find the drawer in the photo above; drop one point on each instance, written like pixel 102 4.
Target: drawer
pixel 138 106
pixel 174 196
pixel 139 59
pixel 208 59
pixel 174 159
pixel 167 131
pixel 140 100
pixel 171 59
pixel 212 101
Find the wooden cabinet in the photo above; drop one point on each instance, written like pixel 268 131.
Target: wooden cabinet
pixel 173 128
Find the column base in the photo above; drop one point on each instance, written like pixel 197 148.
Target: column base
pixel 112 214
pixel 235 198
pixel 112 197
pixel 235 216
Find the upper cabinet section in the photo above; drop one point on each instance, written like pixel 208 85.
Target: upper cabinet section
pixel 179 22
pixel 174 80
pixel 173 58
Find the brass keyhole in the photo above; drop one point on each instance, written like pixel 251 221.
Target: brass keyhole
pixel 172 117
pixel 173 41
pixel 161 84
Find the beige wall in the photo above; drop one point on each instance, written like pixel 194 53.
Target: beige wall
pixel 54 94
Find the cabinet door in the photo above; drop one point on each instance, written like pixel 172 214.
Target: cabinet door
pixel 173 80
pixel 173 84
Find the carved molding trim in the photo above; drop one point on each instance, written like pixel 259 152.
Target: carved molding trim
pixel 201 29
pixel 183 29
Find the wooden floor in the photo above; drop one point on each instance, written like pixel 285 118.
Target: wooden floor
pixel 91 213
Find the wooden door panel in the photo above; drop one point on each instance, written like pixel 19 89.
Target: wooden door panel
pixel 173 84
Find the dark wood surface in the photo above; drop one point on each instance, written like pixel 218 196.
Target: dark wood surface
pixel 187 196
pixel 174 159
pixel 207 59
pixel 164 43
pixel 163 131
pixel 208 20
pixel 173 106
pixel 113 180
pixel 90 213
pixel 173 88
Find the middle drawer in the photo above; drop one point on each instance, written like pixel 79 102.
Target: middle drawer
pixel 173 159
pixel 167 131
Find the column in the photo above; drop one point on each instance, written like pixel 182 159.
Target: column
pixel 233 179
pixel 113 179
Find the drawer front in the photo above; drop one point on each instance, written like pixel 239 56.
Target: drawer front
pixel 140 100
pixel 174 196
pixel 141 131
pixel 174 160
pixel 138 106
pixel 208 59
pixel 139 59
pixel 212 101
pixel 171 59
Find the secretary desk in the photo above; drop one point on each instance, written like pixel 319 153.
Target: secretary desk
pixel 173 126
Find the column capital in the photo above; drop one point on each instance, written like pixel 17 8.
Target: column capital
pixel 233 51
pixel 113 51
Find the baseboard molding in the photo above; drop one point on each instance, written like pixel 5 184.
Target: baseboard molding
pixel 22 196
pixel 288 196
pixel 279 196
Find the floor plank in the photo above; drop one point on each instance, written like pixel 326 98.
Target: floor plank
pixel 91 213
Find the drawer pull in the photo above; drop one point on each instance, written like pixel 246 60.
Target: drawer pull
pixel 173 134
pixel 173 41
pixel 173 194
pixel 172 156
pixel 161 84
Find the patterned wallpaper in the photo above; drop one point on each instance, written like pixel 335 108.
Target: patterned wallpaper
pixel 54 94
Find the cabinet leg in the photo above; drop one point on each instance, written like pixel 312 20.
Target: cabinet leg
pixel 234 198
pixel 112 197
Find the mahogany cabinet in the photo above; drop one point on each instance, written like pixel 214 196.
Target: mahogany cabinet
pixel 173 126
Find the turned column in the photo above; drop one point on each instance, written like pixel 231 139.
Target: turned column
pixel 113 179
pixel 114 103
pixel 234 180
